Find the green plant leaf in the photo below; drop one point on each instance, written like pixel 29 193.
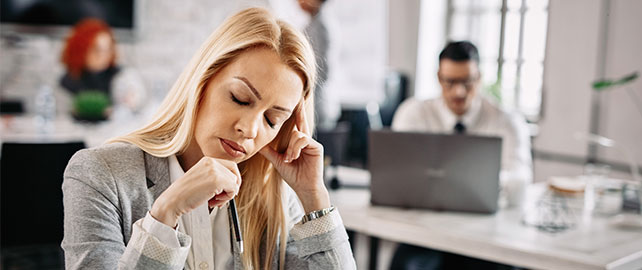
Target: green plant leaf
pixel 90 104
pixel 628 78
pixel 607 83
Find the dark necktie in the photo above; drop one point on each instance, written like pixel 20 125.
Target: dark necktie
pixel 460 128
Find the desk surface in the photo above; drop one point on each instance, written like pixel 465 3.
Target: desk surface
pixel 592 244
pixel 24 129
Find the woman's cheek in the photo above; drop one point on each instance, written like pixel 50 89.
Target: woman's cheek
pixel 269 137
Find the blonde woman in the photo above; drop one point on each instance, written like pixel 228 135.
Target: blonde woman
pixel 235 124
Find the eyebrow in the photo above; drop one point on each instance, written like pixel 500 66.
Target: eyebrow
pixel 256 93
pixel 249 85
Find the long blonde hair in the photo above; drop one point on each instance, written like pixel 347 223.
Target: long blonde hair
pixel 261 209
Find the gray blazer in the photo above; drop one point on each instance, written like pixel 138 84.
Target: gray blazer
pixel 109 188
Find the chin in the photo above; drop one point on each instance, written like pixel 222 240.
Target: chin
pixel 458 110
pixel 245 158
pixel 241 159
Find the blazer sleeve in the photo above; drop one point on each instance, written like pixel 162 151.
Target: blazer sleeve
pixel 318 244
pixel 93 235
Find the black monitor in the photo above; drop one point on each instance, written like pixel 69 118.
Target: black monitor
pixel 54 17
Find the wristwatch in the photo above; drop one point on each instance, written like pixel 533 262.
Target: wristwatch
pixel 316 214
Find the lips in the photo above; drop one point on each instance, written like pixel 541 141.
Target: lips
pixel 233 149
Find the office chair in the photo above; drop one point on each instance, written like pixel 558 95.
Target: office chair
pixel 31 219
pixel 395 92
pixel 335 142
pixel 375 117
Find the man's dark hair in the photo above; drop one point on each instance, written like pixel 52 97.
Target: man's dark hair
pixel 459 51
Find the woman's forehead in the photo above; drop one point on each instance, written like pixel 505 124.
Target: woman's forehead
pixel 263 72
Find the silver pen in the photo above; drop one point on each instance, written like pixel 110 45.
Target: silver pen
pixel 237 226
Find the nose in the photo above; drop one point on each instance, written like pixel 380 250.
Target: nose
pixel 460 90
pixel 248 126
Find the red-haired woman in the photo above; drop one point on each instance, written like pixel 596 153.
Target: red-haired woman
pixel 89 56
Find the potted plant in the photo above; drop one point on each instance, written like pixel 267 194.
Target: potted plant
pixel 91 106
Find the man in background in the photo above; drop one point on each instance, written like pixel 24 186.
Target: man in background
pixel 461 110
pixel 321 38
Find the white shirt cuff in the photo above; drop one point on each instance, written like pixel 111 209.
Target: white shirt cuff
pixel 164 233
pixel 317 226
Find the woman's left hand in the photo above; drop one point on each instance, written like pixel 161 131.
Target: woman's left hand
pixel 301 166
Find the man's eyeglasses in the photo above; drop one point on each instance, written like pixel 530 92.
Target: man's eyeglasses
pixel 448 83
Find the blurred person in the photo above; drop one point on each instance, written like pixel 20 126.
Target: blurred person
pixel 322 36
pixel 236 123
pixel 89 56
pixel 462 110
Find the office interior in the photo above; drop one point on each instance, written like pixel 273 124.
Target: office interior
pixel 539 58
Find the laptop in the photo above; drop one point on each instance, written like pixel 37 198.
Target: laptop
pixel 434 171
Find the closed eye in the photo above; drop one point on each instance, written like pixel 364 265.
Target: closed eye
pixel 272 125
pixel 242 103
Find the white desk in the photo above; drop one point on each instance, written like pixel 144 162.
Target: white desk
pixel 592 244
pixel 64 129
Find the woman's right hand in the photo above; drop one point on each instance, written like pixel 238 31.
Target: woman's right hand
pixel 211 180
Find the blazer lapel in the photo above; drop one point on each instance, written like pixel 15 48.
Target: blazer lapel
pixel 157 174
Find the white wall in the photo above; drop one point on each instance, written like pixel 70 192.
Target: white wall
pixel 620 120
pixel 361 59
pixel 569 69
pixel 403 31
pixel 432 38
pixel 573 61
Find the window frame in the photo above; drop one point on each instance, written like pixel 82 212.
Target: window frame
pixel 472 10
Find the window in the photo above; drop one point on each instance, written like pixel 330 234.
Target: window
pixel 511 38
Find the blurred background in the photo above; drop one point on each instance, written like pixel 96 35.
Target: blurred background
pixel 538 57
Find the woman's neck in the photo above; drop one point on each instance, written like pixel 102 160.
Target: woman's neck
pixel 190 157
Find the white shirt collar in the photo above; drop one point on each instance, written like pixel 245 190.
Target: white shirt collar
pixel 469 118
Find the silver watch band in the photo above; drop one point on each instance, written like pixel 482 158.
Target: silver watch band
pixel 316 214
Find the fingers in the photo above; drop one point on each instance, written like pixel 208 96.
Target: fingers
pixel 224 196
pixel 297 142
pixel 302 142
pixel 220 199
pixel 270 154
pixel 224 179
pixel 214 202
pixel 301 121
pixel 231 186
pixel 233 168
